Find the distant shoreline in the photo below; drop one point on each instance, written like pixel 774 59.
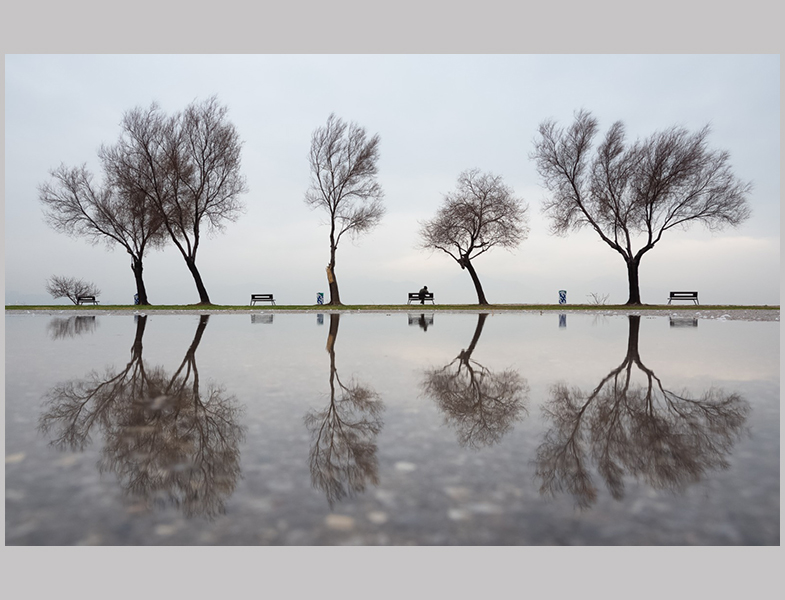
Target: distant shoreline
pixel 747 313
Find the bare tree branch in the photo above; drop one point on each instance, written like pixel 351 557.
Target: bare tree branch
pixel 481 214
pixel 343 164
pixel 70 287
pixel 188 166
pixel 115 215
pixel 632 193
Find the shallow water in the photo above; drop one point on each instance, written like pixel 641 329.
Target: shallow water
pixel 399 429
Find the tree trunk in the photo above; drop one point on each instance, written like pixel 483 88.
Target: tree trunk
pixel 203 297
pixel 466 354
pixel 335 296
pixel 136 349
pixel 632 278
pixel 190 360
pixel 477 285
pixel 331 335
pixel 197 336
pixel 632 338
pixel 141 291
pixel 333 332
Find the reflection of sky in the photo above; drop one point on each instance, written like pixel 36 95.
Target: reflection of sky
pixel 280 371
pixel 287 357
pixel 294 344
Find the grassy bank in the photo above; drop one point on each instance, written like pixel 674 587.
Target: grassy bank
pixel 385 307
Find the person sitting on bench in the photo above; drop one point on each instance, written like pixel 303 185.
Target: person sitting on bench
pixel 422 293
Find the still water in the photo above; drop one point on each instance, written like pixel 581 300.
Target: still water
pixel 391 429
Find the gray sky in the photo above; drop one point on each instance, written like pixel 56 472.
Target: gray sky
pixel 436 115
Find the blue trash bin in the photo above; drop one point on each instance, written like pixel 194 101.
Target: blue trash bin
pixel 319 297
pixel 136 298
pixel 562 296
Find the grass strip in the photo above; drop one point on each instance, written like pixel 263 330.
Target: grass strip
pixel 386 307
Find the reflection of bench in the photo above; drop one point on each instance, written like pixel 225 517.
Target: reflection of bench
pixel 683 322
pixel 261 298
pixel 421 320
pixel 416 296
pixel 86 300
pixel 684 296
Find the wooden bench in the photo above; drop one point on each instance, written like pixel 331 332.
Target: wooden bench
pixel 416 296
pixel 262 298
pixel 86 300
pixel 684 296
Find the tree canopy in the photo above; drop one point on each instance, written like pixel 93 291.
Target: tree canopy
pixel 343 162
pixel 630 194
pixel 75 205
pixel 187 165
pixel 482 213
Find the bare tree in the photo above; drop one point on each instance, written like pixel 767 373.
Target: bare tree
pixel 480 404
pixel 665 438
pixel 71 327
pixel 631 194
pixel 188 166
pixel 70 287
pixel 343 456
pixel 168 438
pixel 74 205
pixel 480 214
pixel 343 183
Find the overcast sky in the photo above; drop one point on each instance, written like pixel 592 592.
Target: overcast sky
pixel 437 115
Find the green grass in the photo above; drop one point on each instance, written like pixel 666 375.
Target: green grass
pixel 384 307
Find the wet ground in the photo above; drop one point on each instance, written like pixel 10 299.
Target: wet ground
pixel 393 428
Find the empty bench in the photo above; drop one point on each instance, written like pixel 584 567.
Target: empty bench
pixel 86 300
pixel 415 296
pixel 684 296
pixel 261 298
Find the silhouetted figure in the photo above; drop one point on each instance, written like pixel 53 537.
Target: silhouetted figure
pixel 423 291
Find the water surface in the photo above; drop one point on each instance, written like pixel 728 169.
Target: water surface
pixel 420 428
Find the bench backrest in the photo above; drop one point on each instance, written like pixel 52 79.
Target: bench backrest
pixel 684 294
pixel 417 294
pixel 261 295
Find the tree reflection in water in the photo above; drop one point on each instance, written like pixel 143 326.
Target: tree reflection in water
pixel 343 452
pixel 72 326
pixel 480 404
pixel 666 439
pixel 169 439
